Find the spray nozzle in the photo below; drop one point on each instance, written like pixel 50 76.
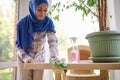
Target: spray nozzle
pixel 73 39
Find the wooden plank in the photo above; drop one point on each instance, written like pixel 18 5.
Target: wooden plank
pixel 83 65
pixel 40 66
pixel 8 64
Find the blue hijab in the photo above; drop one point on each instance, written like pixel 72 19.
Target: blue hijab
pixel 30 24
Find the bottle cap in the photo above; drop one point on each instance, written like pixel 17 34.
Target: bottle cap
pixel 73 39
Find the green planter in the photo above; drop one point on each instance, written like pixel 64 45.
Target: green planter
pixel 104 46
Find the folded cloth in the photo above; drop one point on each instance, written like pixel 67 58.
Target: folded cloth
pixel 61 63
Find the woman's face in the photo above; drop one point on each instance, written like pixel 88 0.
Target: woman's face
pixel 41 11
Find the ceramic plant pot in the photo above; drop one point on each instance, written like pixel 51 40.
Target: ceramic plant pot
pixel 104 46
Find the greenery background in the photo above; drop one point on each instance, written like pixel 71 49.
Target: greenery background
pixel 7 21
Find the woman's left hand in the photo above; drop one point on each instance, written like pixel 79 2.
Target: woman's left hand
pixel 56 59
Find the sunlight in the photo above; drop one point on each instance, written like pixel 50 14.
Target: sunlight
pixel 71 24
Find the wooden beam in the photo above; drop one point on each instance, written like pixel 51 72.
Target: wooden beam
pixel 83 65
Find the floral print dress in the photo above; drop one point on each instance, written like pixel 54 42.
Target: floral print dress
pixel 37 49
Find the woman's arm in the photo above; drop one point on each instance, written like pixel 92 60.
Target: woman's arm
pixel 23 56
pixel 53 43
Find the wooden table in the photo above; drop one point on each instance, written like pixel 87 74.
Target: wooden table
pixel 83 65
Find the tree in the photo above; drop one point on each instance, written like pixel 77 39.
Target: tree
pixel 97 8
pixel 6 29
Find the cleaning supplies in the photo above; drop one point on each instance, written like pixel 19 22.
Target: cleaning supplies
pixel 62 63
pixel 75 54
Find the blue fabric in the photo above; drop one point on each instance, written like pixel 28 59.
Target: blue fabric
pixel 30 24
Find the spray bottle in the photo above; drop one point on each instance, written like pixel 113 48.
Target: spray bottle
pixel 75 54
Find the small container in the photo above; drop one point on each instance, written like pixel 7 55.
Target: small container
pixel 75 54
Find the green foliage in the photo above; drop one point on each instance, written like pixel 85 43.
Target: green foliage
pixel 5 74
pixel 62 42
pixel 7 11
pixel 85 6
pixel 111 16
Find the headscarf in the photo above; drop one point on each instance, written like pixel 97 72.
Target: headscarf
pixel 30 24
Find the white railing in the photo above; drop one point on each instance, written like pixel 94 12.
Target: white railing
pixel 10 64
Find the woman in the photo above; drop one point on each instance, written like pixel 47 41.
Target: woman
pixel 31 37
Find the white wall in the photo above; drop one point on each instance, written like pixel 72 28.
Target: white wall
pixel 113 9
pixel 114 24
pixel 23 8
pixel 117 13
pixel 110 10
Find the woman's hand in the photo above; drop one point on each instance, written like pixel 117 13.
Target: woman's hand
pixel 28 61
pixel 56 59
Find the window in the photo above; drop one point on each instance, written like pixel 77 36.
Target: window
pixel 7 23
pixel 7 36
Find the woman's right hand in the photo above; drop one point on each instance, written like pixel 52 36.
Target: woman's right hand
pixel 29 61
